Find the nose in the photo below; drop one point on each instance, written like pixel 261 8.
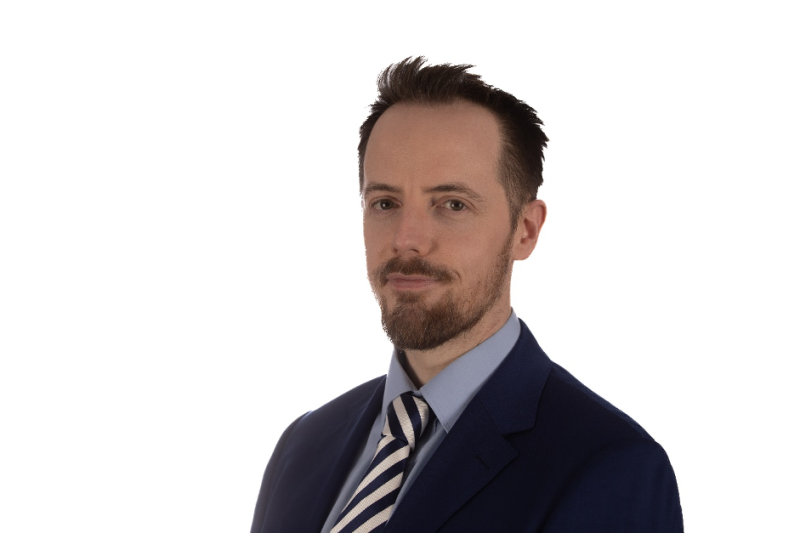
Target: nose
pixel 413 233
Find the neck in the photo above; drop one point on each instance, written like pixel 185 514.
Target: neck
pixel 421 366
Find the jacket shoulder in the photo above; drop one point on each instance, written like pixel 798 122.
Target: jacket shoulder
pixel 579 409
pixel 301 455
pixel 341 408
pixel 611 475
pixel 629 486
pixel 596 469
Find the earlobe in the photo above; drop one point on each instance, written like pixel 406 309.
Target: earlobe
pixel 530 225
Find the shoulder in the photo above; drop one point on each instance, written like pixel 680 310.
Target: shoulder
pixel 529 391
pixel 601 466
pixel 296 457
pixel 609 463
pixel 629 485
pixel 339 410
pixel 574 424
pixel 577 409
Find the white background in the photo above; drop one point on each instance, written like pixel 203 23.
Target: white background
pixel 181 264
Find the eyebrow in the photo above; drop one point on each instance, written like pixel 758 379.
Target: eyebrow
pixel 444 187
pixel 382 187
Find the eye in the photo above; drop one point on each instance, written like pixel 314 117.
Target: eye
pixel 384 204
pixel 455 205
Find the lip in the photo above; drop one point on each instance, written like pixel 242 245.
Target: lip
pixel 401 282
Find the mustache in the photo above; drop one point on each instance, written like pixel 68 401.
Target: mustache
pixel 411 267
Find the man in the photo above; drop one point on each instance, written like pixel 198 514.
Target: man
pixel 473 428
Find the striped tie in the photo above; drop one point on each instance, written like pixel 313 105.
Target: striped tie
pixel 373 501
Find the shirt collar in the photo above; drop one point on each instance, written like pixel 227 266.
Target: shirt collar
pixel 451 390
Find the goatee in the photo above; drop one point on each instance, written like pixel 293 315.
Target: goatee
pixel 413 325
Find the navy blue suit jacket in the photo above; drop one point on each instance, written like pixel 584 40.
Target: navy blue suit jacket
pixel 534 451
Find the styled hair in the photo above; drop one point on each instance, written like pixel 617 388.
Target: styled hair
pixel 411 81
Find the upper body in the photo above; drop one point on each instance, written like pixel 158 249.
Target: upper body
pixel 449 170
pixel 533 451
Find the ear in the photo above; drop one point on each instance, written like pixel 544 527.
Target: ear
pixel 528 227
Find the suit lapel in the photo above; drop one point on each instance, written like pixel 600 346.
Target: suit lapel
pixel 476 449
pixel 468 458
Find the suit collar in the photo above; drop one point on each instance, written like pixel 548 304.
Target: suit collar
pixel 511 395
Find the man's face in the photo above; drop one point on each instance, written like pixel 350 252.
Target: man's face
pixel 436 221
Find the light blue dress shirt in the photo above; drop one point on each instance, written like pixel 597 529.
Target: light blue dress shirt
pixel 447 394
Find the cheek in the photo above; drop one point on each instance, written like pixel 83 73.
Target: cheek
pixel 372 251
pixel 376 240
pixel 479 254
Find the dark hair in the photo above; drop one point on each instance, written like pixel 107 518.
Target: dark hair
pixel 523 139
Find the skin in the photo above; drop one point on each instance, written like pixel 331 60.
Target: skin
pixel 432 191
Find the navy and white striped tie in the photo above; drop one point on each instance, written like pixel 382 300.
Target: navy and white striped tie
pixel 373 501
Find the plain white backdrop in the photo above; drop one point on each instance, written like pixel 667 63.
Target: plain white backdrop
pixel 181 263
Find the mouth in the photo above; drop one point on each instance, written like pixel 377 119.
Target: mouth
pixel 402 282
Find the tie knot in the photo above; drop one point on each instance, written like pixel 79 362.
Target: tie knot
pixel 406 418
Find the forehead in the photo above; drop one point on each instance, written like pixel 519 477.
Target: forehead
pixel 459 141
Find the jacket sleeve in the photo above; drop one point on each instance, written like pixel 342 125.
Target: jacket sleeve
pixel 267 484
pixel 627 488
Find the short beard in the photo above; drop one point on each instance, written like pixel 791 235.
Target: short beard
pixel 412 325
